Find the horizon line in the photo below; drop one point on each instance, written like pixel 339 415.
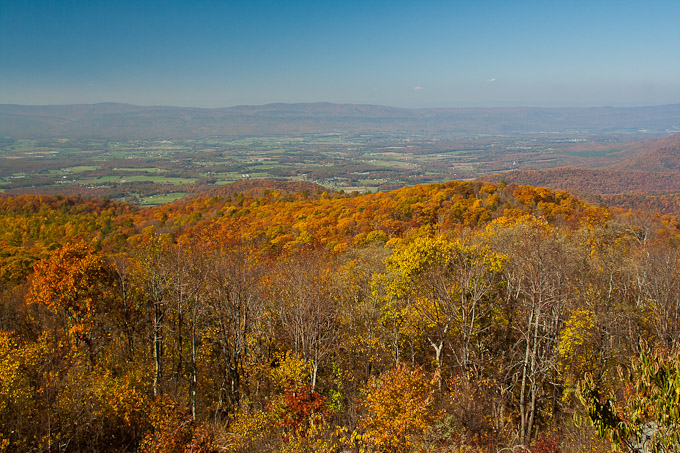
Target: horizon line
pixel 471 107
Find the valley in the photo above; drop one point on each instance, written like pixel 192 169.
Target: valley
pixel 152 155
pixel 151 172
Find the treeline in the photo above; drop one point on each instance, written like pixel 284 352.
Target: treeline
pixel 666 203
pixel 449 317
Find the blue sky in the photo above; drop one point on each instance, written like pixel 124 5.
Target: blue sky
pixel 408 54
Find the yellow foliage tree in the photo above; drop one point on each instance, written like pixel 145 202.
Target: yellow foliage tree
pixel 576 349
pixel 448 285
pixel 16 391
pixel 399 408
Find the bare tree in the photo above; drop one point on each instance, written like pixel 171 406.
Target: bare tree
pixel 656 270
pixel 537 278
pixel 306 307
pixel 233 308
pixel 157 280
pixel 188 266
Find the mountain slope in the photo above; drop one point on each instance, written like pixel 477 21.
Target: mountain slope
pixel 594 181
pixel 647 178
pixel 661 155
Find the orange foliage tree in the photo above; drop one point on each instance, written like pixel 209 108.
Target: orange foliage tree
pixel 74 281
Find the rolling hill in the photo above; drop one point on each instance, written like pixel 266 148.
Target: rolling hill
pixel 662 155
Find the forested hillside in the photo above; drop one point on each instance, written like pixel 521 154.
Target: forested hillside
pixel 644 175
pixel 447 317
pixel 655 155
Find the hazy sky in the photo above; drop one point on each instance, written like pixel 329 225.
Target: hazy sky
pixel 409 54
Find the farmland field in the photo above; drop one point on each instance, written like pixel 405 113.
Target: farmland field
pixel 137 170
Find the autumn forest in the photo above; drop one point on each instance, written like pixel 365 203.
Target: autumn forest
pixel 276 316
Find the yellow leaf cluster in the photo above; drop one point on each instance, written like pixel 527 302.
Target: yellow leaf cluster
pixel 399 408
pixel 292 370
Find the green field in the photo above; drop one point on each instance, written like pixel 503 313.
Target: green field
pixel 143 169
pixel 80 168
pixel 157 200
pixel 137 178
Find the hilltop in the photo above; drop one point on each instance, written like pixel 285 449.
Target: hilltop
pixel 279 216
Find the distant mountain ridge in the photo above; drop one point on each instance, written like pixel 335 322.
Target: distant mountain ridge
pixel 112 120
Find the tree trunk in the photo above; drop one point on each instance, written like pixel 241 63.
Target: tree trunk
pixel 437 358
pixel 315 368
pixel 157 348
pixel 534 352
pixel 525 372
pixel 194 370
